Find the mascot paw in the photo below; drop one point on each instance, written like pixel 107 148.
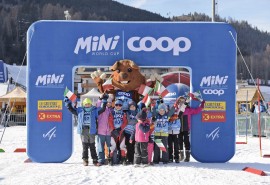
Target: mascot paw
pixel 98 74
pixel 156 77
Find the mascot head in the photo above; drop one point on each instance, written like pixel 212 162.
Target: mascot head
pixel 126 75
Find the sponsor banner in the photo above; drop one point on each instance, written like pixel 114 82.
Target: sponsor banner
pixel 49 116
pixel 214 105
pixel 49 104
pixel 213 116
pixel 214 85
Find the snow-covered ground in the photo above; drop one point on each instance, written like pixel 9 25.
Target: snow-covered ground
pixel 13 170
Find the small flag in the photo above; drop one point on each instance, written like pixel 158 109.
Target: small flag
pixel 160 89
pixel 196 96
pixel 160 145
pixel 71 96
pixel 107 85
pixel 144 90
pixel 146 100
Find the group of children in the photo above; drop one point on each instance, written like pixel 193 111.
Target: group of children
pixel 135 134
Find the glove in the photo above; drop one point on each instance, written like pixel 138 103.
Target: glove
pixel 183 107
pixel 104 96
pixel 67 101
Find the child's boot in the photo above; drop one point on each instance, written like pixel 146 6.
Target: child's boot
pixel 181 156
pixel 85 162
pixel 187 156
pixel 124 161
pixel 96 163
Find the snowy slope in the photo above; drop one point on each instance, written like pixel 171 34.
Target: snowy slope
pixel 13 170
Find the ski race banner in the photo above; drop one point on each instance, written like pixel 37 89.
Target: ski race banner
pixel 56 48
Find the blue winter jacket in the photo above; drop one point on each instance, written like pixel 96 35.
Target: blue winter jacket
pixel 80 113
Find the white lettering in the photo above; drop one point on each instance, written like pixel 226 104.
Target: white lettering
pixel 95 43
pixel 49 79
pixel 214 80
pixel 213 91
pixel 139 44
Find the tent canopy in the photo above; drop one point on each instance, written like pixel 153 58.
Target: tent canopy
pixel 91 94
pixel 17 95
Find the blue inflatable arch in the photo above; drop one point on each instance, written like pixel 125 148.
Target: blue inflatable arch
pixel 55 47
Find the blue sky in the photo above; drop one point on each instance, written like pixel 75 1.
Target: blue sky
pixel 256 12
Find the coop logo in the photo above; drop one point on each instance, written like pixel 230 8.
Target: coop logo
pixel 50 81
pixel 164 44
pixel 97 45
pixel 214 85
pixel 171 94
pixel 213 91
pixel 214 134
pixel 50 134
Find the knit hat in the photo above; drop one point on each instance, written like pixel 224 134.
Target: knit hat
pixel 86 101
pixel 118 102
pixel 142 115
pixel 131 103
pixel 162 106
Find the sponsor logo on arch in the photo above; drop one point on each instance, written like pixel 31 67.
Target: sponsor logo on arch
pixel 214 85
pixel 214 117
pixel 49 116
pixel 215 105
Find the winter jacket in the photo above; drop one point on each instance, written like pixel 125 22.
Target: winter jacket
pixel 185 117
pixel 141 132
pixel 131 117
pixel 103 120
pixel 94 111
pixel 174 127
pixel 117 120
pixel 162 122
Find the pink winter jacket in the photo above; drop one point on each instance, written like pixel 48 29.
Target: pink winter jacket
pixel 142 131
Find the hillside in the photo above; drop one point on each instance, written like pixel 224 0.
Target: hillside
pixel 15 20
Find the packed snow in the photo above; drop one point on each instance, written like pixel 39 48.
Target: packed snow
pixel 13 169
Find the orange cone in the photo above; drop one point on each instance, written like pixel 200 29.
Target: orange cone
pixel 255 171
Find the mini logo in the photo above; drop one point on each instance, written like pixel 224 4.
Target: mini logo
pixel 50 81
pixel 214 117
pixel 214 134
pixel 50 116
pixel 99 46
pixel 50 134
pixel 214 85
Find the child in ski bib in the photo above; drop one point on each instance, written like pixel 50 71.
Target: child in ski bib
pixel 161 131
pixel 87 122
pixel 129 130
pixel 117 123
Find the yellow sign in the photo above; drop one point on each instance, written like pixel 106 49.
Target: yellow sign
pixel 50 105
pixel 215 105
